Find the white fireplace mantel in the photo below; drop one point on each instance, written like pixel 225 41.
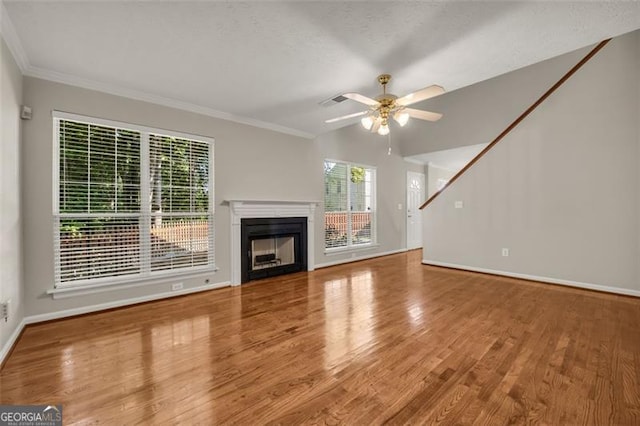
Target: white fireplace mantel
pixel 250 209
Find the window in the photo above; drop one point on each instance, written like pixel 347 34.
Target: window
pixel 349 205
pixel 129 202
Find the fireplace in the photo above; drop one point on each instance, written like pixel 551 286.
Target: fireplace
pixel 272 246
pixel 254 209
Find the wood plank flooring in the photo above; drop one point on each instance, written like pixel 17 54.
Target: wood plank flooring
pixel 381 341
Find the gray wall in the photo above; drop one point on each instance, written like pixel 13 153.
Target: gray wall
pixel 478 113
pixel 10 221
pixel 433 174
pixel 250 163
pixel 637 67
pixel 354 144
pixel 562 191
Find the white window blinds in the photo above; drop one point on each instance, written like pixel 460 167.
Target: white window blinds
pixel 129 202
pixel 179 186
pixel 349 204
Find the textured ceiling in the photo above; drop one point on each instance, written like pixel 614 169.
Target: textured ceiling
pixel 271 63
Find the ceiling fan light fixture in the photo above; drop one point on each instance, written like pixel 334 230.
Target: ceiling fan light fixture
pixel 367 122
pixel 387 105
pixel 401 117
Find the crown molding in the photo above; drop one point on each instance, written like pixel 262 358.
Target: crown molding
pixel 112 89
pixel 10 37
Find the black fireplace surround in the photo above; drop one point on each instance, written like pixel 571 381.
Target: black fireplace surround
pixel 281 228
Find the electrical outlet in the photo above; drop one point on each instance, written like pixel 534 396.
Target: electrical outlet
pixel 505 252
pixel 4 310
pixel 176 286
pixel 458 204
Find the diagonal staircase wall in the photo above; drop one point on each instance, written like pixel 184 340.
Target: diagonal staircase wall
pixel 561 191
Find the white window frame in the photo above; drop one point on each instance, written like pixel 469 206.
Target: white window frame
pixel 145 273
pixel 374 210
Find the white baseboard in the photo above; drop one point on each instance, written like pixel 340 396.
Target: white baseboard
pixel 588 286
pixel 32 319
pixel 357 258
pixel 12 340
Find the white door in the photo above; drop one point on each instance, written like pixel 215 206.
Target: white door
pixel 415 198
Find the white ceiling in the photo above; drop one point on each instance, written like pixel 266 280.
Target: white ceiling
pixel 451 159
pixel 270 63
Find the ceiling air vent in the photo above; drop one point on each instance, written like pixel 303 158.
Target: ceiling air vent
pixel 333 100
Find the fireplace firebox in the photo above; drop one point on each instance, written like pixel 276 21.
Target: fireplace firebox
pixel 272 246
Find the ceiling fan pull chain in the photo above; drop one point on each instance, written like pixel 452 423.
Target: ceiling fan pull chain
pixel 389 139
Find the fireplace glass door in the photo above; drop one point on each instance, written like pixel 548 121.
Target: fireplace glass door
pixel 272 246
pixel 272 252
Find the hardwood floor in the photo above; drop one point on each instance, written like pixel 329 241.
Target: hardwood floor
pixel 385 340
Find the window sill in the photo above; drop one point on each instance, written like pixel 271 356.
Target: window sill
pixel 82 290
pixel 341 250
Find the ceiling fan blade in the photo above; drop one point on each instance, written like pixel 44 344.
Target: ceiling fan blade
pixel 423 115
pixel 376 124
pixel 346 117
pixel 420 95
pixel 361 98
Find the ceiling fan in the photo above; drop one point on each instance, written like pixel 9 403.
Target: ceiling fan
pixel 387 105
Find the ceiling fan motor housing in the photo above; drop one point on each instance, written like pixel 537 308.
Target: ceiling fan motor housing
pixel 387 100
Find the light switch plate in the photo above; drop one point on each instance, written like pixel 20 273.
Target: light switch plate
pixel 458 204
